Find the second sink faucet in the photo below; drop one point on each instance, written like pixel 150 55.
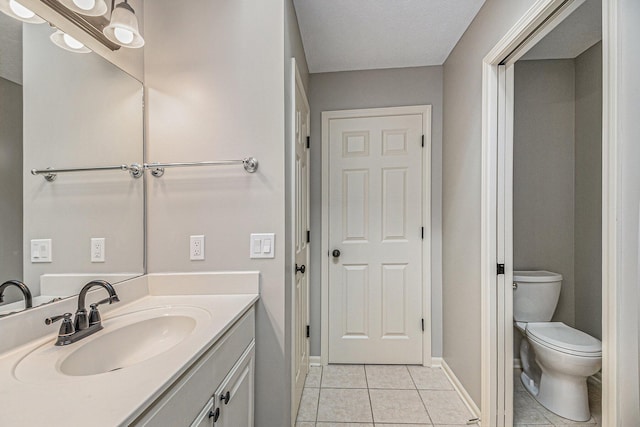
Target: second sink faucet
pixel 26 293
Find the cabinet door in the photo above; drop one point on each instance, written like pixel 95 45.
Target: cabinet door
pixel 205 418
pixel 235 395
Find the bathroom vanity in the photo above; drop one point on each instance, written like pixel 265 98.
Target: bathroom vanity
pixel 178 350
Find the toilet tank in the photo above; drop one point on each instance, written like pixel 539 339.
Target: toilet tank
pixel 536 295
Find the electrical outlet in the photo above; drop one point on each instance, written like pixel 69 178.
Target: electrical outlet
pixel 196 248
pixel 97 249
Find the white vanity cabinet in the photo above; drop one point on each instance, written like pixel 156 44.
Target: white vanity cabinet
pixel 235 395
pixel 217 390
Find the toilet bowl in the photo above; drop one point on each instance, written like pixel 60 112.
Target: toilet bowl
pixel 556 359
pixel 566 357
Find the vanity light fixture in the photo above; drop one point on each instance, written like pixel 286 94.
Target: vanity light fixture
pixel 17 11
pixel 86 7
pixel 65 41
pixel 123 27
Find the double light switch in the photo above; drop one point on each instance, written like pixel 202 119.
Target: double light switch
pixel 262 245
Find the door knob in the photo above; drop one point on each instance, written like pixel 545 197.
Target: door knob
pixel 336 253
pixel 301 268
pixel 215 414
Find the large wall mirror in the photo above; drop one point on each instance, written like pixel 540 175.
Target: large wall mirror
pixel 65 110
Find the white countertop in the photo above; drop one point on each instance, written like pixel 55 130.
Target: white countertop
pixel 118 397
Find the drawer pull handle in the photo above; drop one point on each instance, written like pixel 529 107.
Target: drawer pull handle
pixel 215 414
pixel 225 397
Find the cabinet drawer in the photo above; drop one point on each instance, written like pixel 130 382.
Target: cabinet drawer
pixel 181 403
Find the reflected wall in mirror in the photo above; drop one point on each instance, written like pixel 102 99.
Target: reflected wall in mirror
pixel 63 109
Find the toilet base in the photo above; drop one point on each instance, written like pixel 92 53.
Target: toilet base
pixel 564 395
pixel 529 384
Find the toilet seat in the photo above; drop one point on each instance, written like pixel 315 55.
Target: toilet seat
pixel 565 339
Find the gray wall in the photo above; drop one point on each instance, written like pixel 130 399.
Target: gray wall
pixel 215 86
pixel 557 201
pixel 588 192
pixel 10 183
pixel 543 173
pixel 372 89
pixel 628 231
pixel 10 49
pixel 461 205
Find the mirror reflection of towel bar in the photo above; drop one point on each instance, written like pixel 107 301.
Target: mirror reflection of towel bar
pixel 136 170
pixel 50 174
pixel 250 164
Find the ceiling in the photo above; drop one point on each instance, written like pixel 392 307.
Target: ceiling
pixel 577 33
pixel 343 35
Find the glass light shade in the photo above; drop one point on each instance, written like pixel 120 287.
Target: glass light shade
pixel 17 11
pixel 66 42
pixel 86 7
pixel 123 28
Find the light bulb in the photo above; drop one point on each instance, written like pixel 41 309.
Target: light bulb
pixel 123 36
pixel 71 42
pixel 85 4
pixel 20 10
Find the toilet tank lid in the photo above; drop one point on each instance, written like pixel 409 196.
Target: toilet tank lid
pixel 537 276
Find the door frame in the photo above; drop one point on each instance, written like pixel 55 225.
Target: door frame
pixel 296 83
pixel 327 116
pixel 497 193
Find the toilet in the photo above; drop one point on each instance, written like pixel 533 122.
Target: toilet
pixel 556 359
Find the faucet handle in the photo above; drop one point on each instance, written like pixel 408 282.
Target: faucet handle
pixel 94 314
pixel 66 328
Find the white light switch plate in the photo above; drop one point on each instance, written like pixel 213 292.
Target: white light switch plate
pixel 262 245
pixel 41 250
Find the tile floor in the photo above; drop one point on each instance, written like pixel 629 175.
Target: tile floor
pixel 380 396
pixel 527 412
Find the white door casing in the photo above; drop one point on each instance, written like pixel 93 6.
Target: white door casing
pixel 376 219
pixel 301 217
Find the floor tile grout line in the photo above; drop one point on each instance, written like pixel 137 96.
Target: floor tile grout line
pixel 319 391
pixel 366 379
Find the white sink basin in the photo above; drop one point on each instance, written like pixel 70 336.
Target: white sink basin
pixel 126 340
pixel 127 346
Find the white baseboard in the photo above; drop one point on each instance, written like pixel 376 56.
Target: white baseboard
pixel 436 362
pixel 466 398
pixel 314 361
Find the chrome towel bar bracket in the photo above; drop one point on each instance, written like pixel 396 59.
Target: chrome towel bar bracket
pixel 50 174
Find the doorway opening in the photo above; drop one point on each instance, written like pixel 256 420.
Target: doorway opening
pixel 524 147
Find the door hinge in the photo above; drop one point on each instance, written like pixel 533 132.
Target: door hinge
pixel 423 140
pixel 422 325
pixel 422 232
pixel 308 236
pixel 307 331
pixel 308 142
pixel 500 268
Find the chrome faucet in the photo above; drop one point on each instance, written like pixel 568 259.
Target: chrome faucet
pixel 83 325
pixel 26 293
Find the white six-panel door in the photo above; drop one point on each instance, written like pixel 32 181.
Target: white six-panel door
pixel 375 239
pixel 301 244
